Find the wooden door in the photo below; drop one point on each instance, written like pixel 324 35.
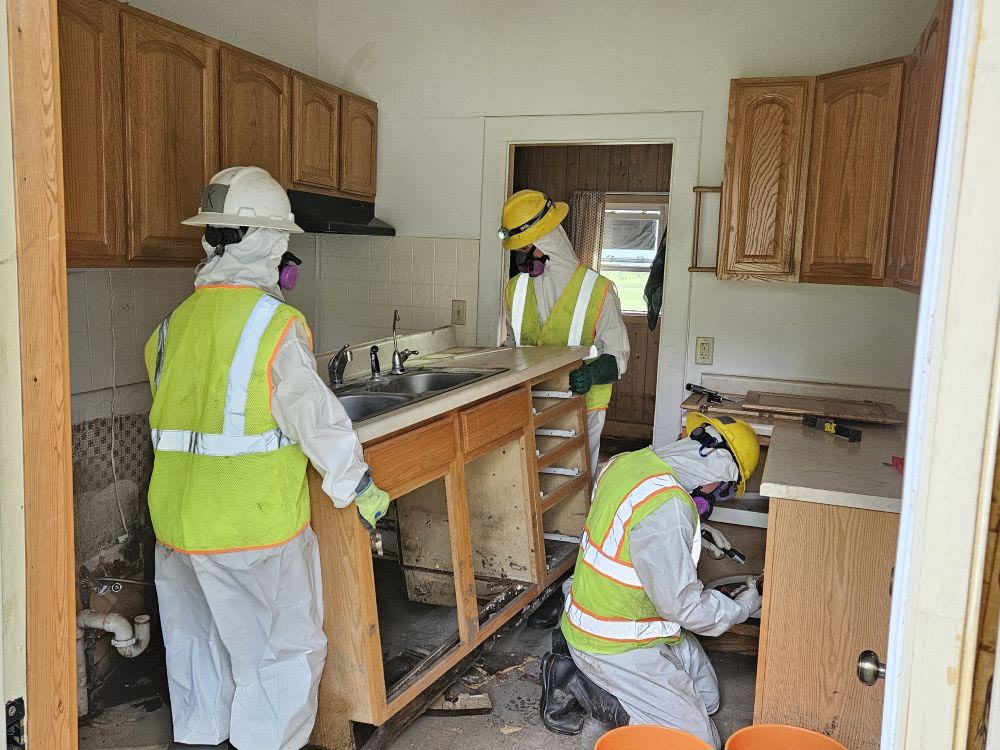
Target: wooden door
pixel 358 146
pixel 633 400
pixel 826 599
pixel 90 82
pixel 921 114
pixel 171 136
pixel 255 113
pixel 763 197
pixel 851 161
pixel 315 135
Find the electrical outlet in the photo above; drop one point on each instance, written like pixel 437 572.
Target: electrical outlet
pixel 458 315
pixel 704 350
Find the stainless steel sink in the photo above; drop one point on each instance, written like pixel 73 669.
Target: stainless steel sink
pixel 360 406
pixel 365 398
pixel 427 382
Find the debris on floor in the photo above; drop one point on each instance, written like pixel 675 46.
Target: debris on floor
pixel 461 704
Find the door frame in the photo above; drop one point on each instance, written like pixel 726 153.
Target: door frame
pixel 50 601
pixel 954 411
pixel 681 129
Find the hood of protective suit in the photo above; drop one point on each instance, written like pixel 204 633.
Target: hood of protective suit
pixel 694 470
pixel 559 268
pixel 252 262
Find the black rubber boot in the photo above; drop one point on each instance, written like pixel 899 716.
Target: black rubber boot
pixel 561 711
pixel 559 645
pixel 598 702
pixel 548 613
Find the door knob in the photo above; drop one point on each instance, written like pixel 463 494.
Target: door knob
pixel 870 669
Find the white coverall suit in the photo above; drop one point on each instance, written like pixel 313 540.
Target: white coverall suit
pixel 244 630
pixel 673 686
pixel 611 335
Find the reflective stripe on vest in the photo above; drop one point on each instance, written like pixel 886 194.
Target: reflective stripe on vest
pixel 232 441
pixel 624 631
pixel 517 309
pixel 580 311
pixel 642 492
pixel 608 566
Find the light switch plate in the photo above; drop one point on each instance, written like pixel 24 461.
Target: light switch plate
pixel 704 350
pixel 458 312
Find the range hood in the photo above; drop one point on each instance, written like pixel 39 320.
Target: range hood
pixel 328 214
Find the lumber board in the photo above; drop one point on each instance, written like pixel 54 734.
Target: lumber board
pixel 873 412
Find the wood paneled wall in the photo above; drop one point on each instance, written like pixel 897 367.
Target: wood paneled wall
pixel 630 413
pixel 559 170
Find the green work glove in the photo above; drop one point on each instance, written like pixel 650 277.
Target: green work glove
pixel 371 501
pixel 604 369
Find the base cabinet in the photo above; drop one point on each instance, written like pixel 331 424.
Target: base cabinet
pixel 827 594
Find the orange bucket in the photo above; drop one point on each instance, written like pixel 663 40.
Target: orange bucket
pixel 649 737
pixel 780 737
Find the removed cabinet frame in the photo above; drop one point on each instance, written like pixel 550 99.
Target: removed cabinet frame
pixel 699 191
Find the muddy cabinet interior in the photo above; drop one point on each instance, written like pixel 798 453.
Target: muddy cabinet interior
pixel 483 519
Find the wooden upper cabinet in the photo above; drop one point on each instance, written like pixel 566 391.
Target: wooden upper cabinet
pixel 764 191
pixel 849 193
pixel 358 146
pixel 923 88
pixel 90 78
pixel 171 135
pixel 315 135
pixel 255 114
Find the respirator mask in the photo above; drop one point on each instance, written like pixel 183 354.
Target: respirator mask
pixel 526 262
pixel 219 237
pixel 705 501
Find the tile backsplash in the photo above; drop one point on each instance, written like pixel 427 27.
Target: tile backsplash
pixel 348 287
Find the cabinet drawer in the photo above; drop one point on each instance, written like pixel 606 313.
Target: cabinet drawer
pixel 496 418
pixel 403 463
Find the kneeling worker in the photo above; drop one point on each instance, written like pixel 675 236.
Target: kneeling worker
pixel 636 600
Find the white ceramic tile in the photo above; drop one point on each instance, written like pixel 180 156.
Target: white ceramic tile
pixel 99 344
pixel 357 270
pixel 79 379
pixel 123 311
pixel 380 269
pixel 122 282
pixel 357 293
pixel 79 350
pixel 443 295
pixel 423 251
pixel 401 270
pixel 466 339
pixel 380 247
pixel 444 273
pixel 423 295
pixel 378 293
pixel 77 314
pixel 100 374
pixel 468 249
pixel 358 246
pixel 76 285
pixel 304 246
pixel 469 293
pixel 400 294
pixel 467 271
pixel 333 244
pixel 98 314
pixel 445 250
pixel 422 273
pixel 357 314
pixel 144 280
pixel 423 318
pixel 442 316
pixel 97 283
pixel 381 317
pixel 175 282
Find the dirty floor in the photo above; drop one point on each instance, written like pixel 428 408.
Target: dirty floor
pixel 508 673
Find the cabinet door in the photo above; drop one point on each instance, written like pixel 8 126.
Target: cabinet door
pixel 254 111
pixel 919 123
pixel 171 136
pixel 764 193
pixel 852 155
pixel 91 90
pixel 358 146
pixel 315 134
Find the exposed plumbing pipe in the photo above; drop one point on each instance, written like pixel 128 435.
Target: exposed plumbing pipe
pixel 129 641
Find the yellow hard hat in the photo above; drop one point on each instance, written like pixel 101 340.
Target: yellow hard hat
pixel 528 216
pixel 740 439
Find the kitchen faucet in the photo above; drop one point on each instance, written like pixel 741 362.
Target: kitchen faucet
pixel 376 369
pixel 337 365
pixel 399 357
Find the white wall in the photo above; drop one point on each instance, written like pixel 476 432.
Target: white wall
pixel 438 69
pixel 284 31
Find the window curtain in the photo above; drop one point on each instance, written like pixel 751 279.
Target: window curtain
pixel 586 210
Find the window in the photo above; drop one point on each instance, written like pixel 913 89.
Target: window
pixel 632 232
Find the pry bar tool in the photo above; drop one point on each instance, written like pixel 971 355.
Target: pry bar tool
pixel 851 434
pixel 714 397
pixel 732 553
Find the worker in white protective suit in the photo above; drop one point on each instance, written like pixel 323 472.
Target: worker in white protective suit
pixel 557 301
pixel 238 412
pixel 636 603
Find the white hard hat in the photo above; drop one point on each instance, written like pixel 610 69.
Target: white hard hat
pixel 245 197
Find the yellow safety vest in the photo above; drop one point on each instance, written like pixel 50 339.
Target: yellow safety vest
pixel 225 477
pixel 572 321
pixel 607 610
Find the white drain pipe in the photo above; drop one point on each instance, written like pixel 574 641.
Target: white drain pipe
pixel 128 640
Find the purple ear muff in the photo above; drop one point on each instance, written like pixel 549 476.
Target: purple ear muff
pixel 288 271
pixel 703 506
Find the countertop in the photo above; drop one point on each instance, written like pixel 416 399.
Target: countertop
pixel 523 364
pixel 812 466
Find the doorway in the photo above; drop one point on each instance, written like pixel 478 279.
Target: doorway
pixel 632 183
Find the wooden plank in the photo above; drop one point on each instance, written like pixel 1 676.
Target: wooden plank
pixel 861 411
pixel 411 459
pixel 493 419
pixel 617 169
pixel 33 56
pixel 424 527
pixel 567 490
pixel 565 448
pixel 642 163
pixel 587 175
pixel 461 548
pixel 663 167
pixel 826 599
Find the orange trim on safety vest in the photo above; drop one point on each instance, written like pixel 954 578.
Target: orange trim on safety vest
pixel 645 500
pixel 270 360
pixel 614 619
pixel 234 549
pixel 604 575
pixel 597 408
pixel 631 489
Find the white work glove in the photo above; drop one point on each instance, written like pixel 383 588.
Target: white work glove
pixel 750 599
pixel 717 550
